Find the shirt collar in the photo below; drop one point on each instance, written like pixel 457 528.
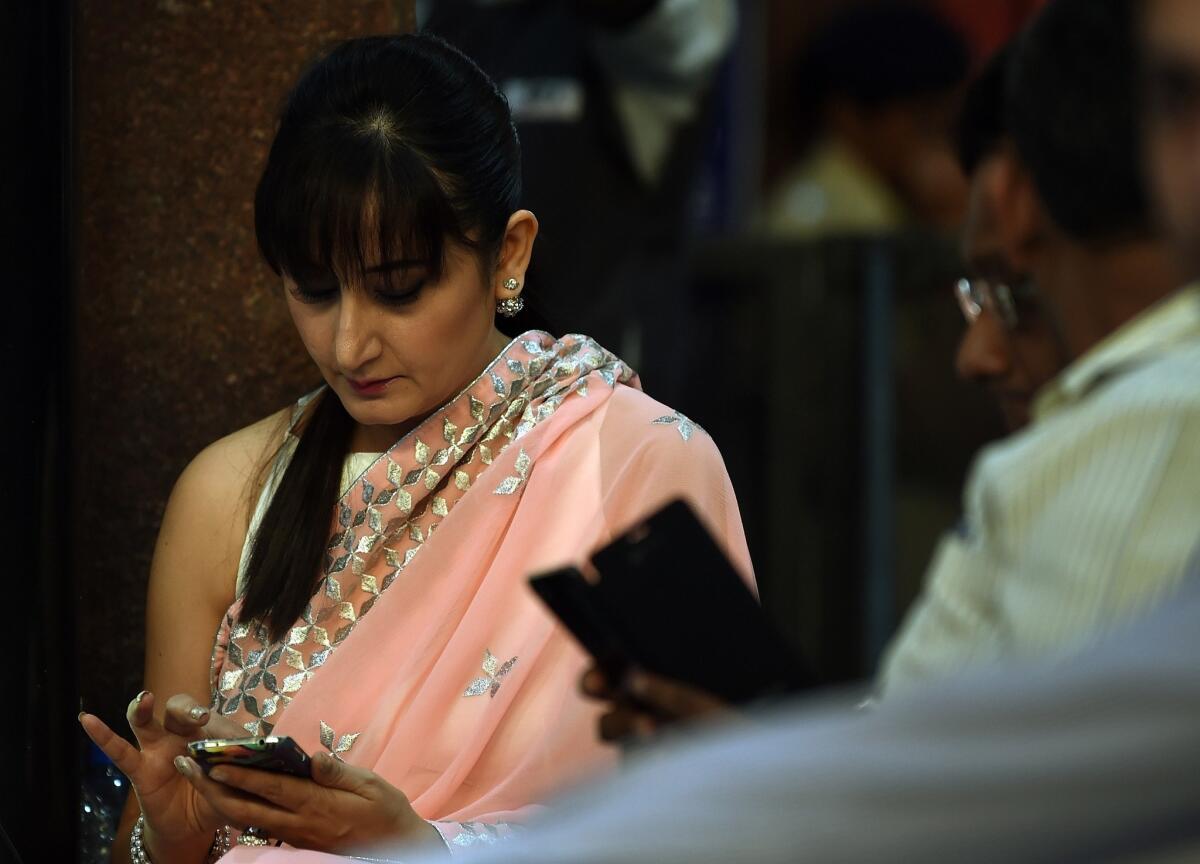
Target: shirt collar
pixel 1171 321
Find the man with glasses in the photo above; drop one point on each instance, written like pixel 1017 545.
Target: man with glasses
pixel 1087 516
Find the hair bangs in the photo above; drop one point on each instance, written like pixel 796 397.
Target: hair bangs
pixel 355 199
pixel 388 149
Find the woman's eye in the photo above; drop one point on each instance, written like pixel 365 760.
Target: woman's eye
pixel 313 293
pixel 398 295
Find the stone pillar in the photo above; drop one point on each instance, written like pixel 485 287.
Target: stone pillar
pixel 181 335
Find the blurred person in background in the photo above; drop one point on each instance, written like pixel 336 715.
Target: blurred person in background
pixel 1085 517
pixel 882 79
pixel 611 99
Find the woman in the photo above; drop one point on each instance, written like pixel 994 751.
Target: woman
pixel 375 609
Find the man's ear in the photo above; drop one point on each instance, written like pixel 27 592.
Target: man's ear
pixel 1020 218
pixel 515 251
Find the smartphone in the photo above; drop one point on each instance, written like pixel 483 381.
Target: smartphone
pixel 276 753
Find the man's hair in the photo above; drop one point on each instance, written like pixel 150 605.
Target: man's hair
pixel 882 52
pixel 982 121
pixel 1072 111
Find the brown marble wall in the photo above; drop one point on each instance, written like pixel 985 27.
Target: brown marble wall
pixel 180 333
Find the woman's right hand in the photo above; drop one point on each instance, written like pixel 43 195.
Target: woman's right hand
pixel 179 822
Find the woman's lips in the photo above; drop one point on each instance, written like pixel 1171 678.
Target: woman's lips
pixel 372 387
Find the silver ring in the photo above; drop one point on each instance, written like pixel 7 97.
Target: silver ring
pixel 252 837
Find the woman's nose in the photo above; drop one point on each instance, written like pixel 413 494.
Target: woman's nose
pixel 356 342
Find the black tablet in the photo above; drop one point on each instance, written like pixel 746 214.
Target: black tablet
pixel 667 599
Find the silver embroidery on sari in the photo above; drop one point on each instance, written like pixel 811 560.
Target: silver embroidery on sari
pixel 494 673
pixel 685 425
pixel 515 482
pixel 342 744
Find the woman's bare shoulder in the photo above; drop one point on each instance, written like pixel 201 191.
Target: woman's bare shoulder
pixel 221 483
pixel 240 456
pixel 207 516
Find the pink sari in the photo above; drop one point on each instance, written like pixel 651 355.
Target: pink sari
pixel 458 687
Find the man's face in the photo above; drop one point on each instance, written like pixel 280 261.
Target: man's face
pixel 1013 360
pixel 1172 120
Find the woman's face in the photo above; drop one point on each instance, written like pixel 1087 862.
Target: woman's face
pixel 395 345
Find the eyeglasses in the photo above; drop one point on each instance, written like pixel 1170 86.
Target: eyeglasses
pixel 977 295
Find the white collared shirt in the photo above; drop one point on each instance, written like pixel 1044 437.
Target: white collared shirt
pixel 1081 520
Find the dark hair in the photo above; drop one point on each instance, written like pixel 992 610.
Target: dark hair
pixel 1073 115
pixel 879 53
pixel 982 120
pixel 388 145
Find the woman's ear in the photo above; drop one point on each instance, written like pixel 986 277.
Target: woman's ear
pixel 515 251
pixel 1019 216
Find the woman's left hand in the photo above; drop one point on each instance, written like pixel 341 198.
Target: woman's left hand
pixel 342 809
pixel 642 704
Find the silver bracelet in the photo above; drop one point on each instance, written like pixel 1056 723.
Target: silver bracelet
pixel 137 852
pixel 137 849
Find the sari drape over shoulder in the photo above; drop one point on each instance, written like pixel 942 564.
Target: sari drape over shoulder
pixel 423 656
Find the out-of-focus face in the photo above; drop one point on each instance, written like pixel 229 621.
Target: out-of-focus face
pixel 1172 120
pixel 1013 360
pixel 396 344
pixel 910 143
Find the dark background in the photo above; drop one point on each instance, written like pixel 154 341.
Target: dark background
pixel 36 185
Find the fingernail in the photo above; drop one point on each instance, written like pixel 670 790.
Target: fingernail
pixel 138 698
pixel 182 766
pixel 198 713
pixel 79 716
